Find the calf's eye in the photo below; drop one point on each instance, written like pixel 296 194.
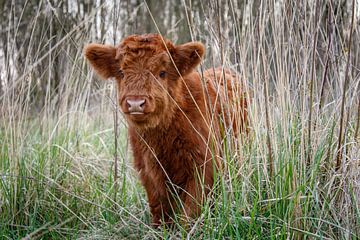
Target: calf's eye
pixel 162 74
pixel 120 73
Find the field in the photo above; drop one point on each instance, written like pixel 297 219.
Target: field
pixel 65 161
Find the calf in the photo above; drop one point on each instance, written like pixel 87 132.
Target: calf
pixel 175 117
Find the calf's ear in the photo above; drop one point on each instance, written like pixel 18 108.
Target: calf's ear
pixel 187 56
pixel 103 59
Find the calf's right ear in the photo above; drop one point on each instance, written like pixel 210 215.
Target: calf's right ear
pixel 103 59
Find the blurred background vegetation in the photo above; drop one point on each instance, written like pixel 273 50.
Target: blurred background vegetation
pixel 41 39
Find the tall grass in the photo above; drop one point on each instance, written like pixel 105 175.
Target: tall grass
pixel 281 181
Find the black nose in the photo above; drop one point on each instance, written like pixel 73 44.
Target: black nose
pixel 135 105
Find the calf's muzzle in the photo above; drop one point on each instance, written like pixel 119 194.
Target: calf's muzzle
pixel 135 105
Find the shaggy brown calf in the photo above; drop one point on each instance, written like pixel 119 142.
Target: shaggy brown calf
pixel 174 117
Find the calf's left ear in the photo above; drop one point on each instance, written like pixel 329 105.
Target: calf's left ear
pixel 187 56
pixel 103 59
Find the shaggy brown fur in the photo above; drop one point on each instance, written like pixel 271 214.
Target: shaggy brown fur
pixel 174 116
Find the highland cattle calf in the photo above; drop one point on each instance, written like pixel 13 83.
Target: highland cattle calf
pixel 176 117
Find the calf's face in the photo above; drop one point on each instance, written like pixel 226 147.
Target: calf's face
pixel 148 70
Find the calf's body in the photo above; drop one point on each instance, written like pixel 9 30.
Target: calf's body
pixel 175 117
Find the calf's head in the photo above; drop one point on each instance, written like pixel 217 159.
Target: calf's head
pixel 148 70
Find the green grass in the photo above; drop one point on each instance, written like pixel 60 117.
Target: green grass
pixel 64 188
